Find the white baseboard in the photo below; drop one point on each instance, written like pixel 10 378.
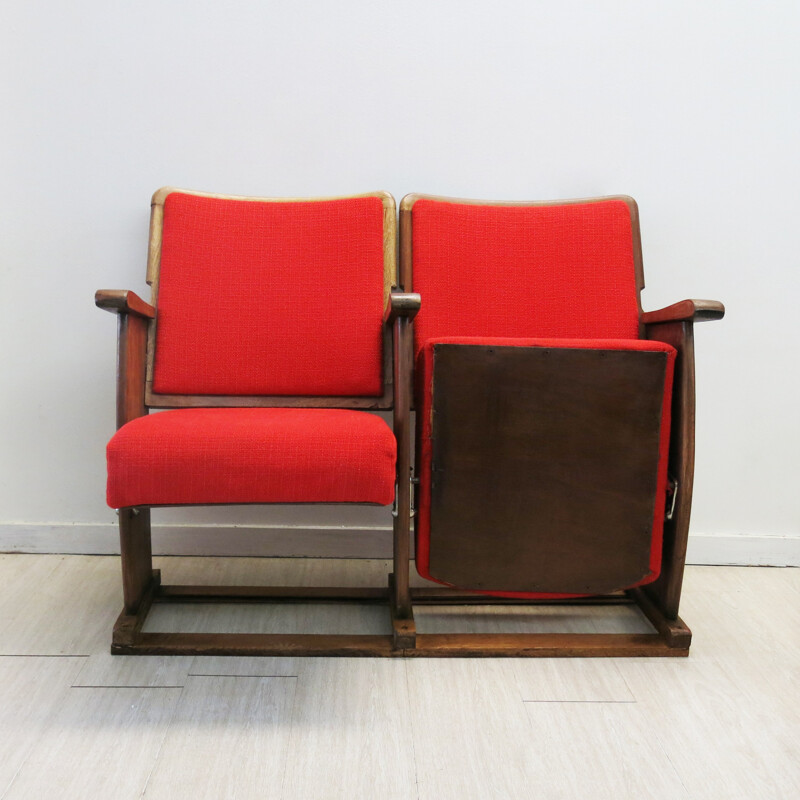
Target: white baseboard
pixel 333 542
pixel 202 540
pixel 751 550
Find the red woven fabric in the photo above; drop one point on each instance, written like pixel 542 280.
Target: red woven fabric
pixel 252 455
pixel 552 271
pixel 424 405
pixel 270 298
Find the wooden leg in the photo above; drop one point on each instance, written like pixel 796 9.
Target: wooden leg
pixel 137 556
pixel 128 627
pixel 404 629
pixel 400 594
pixel 675 632
pixel 401 598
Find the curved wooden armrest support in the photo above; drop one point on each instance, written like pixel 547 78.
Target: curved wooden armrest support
pixel 121 301
pixel 133 315
pixel 686 311
pixel 402 304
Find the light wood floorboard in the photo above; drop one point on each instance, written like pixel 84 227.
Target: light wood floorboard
pixel 70 611
pixel 605 751
pixel 565 680
pixel 736 699
pixel 103 669
pixel 530 619
pixel 722 738
pixel 472 738
pixel 229 739
pixel 19 573
pixel 743 611
pixel 30 690
pixel 274 571
pixel 500 619
pixel 351 733
pixel 246 666
pixel 316 618
pixel 269 618
pixel 722 724
pixel 100 743
pixel 570 680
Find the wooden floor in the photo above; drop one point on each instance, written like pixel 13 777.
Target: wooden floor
pixel 76 722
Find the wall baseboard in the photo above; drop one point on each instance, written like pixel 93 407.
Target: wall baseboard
pixel 752 550
pixel 203 540
pixel 332 542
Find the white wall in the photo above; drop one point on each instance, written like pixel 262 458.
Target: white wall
pixel 691 107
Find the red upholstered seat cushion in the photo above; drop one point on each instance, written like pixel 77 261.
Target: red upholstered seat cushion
pixel 252 455
pixel 562 271
pixel 250 297
pixel 424 376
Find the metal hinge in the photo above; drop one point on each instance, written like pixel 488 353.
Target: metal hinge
pixel 672 496
pixel 411 481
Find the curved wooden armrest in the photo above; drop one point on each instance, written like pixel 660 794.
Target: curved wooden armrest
pixel 686 310
pixel 121 301
pixel 402 304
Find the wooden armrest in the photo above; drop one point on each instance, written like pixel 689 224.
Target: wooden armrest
pixel 402 304
pixel 121 301
pixel 694 310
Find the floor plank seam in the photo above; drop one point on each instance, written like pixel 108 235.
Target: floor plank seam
pixel 234 675
pixel 672 764
pixel 46 655
pixel 290 737
pixel 163 739
pixel 127 686
pixel 16 774
pixel 621 673
pixel 411 725
pixel 587 702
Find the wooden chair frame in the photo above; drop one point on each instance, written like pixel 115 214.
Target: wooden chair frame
pixel 660 600
pixel 141 583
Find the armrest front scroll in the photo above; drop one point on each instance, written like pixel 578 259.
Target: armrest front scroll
pixel 121 301
pixel 686 311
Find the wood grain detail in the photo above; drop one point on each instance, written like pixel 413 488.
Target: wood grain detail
pixel 544 467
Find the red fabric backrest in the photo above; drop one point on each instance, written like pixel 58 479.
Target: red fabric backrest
pixel 270 298
pixel 515 271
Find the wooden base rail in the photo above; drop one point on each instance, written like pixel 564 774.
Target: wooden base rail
pixel 671 637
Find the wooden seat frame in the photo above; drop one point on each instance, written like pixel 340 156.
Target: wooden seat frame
pixel 142 585
pixel 659 601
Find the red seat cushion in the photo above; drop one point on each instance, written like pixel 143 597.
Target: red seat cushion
pixel 424 375
pixel 250 297
pixel 252 455
pixel 562 271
